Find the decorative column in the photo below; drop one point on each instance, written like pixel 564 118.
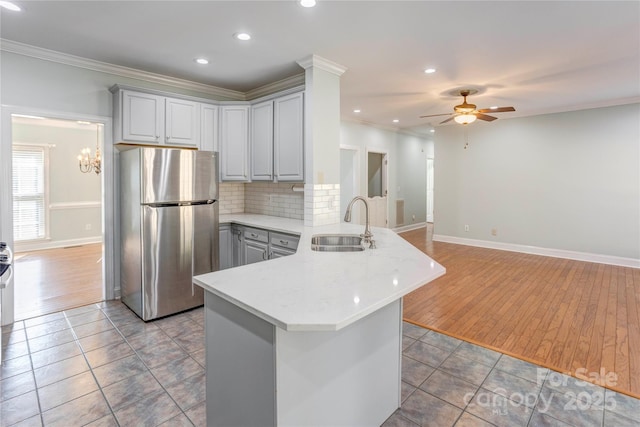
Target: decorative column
pixel 322 140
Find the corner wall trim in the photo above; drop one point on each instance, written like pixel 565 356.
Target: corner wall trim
pixel 410 227
pixel 536 250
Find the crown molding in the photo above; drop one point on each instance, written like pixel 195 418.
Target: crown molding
pixel 90 64
pixel 322 63
pixel 280 85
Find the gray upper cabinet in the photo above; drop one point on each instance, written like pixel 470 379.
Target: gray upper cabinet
pixel 182 122
pixel 234 143
pixel 142 117
pixel 277 139
pixel 147 118
pixel 288 138
pixel 208 127
pixel 262 141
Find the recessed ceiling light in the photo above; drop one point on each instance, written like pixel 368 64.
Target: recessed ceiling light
pixel 242 36
pixel 356 111
pixel 430 70
pixel 395 120
pixel 307 3
pixel 432 130
pixel 202 61
pixel 10 6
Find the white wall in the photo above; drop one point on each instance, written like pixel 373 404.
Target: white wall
pixel 567 181
pixel 406 168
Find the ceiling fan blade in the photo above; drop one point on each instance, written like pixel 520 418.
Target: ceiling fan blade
pixel 448 120
pixel 485 117
pixel 436 115
pixel 496 110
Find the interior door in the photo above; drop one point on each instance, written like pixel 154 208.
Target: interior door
pixel 377 163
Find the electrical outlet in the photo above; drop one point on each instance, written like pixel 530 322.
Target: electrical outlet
pixel 87 227
pixel 494 231
pixel 466 227
pixel 413 218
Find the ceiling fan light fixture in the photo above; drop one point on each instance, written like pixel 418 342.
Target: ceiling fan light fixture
pixel 465 119
pixel 242 36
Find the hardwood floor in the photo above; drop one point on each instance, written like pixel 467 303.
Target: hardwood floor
pixel 52 280
pixel 575 317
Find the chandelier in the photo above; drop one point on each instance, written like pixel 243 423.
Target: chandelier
pixel 88 163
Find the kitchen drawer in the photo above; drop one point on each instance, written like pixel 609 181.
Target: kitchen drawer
pixel 256 234
pixel 284 240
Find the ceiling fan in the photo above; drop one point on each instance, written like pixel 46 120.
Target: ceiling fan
pixel 466 113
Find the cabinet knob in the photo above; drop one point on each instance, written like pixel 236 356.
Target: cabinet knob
pixel 254 235
pixel 284 242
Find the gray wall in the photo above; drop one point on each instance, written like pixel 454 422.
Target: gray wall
pixel 36 83
pixel 566 181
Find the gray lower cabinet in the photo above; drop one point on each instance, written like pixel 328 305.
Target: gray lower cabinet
pixel 237 243
pixel 282 244
pixel 226 248
pixel 256 245
pixel 241 245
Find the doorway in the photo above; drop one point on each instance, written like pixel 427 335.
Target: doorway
pixel 377 187
pixel 57 214
pixel 430 190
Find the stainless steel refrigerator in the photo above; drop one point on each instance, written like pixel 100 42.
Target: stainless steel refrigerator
pixel 168 228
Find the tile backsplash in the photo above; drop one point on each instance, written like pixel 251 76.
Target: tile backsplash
pixel 231 197
pixel 266 198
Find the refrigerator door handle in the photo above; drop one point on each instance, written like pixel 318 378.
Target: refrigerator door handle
pixel 170 204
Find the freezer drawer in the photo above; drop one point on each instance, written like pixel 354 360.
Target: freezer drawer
pixel 178 242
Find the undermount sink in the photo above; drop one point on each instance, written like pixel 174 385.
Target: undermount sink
pixel 336 243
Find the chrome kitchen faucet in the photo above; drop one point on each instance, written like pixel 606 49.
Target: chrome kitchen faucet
pixel 367 236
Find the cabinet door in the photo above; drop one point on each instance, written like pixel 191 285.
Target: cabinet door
pixel 181 122
pixel 289 138
pixel 262 141
pixel 277 252
pixel 237 243
pixel 209 127
pixel 234 143
pixel 255 251
pixel 142 117
pixel 226 248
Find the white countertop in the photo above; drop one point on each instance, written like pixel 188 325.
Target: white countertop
pixel 321 291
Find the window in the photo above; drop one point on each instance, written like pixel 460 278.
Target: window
pixel 29 192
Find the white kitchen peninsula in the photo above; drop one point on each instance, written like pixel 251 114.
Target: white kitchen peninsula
pixel 312 339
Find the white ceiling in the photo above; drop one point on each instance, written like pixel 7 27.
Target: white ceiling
pixel 537 56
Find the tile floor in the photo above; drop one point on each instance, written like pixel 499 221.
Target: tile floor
pixel 100 365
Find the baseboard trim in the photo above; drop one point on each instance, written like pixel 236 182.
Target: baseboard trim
pixel 415 226
pixel 37 246
pixel 536 250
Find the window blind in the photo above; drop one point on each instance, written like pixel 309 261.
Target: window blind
pixel 29 216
